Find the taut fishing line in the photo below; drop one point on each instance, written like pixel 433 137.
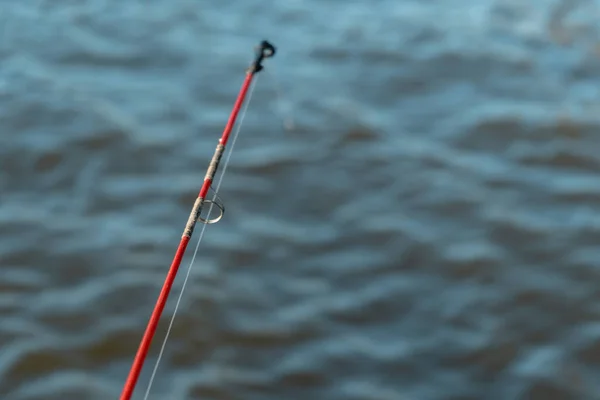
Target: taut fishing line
pixel 265 50
pixel 200 236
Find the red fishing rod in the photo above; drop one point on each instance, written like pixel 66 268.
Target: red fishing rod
pixel 265 50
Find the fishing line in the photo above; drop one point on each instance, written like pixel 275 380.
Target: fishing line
pixel 200 236
pixel 263 51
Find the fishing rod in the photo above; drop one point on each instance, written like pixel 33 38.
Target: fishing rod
pixel 263 51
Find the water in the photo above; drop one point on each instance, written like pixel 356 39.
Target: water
pixel 427 230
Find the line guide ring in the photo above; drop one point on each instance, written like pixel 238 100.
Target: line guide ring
pixel 217 202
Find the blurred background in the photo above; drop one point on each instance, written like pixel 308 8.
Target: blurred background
pixel 412 206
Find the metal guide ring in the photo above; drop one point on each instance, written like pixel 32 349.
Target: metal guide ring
pixel 216 219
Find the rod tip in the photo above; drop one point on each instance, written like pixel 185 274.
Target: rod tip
pixel 267 49
pixel 263 51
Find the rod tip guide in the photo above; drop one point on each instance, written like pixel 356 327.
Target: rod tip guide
pixel 264 50
pixel 267 49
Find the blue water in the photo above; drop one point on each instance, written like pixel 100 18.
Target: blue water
pixel 412 206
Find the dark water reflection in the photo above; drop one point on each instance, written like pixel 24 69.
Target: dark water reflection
pixel 427 230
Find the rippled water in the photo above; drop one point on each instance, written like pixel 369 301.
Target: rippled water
pixel 428 229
